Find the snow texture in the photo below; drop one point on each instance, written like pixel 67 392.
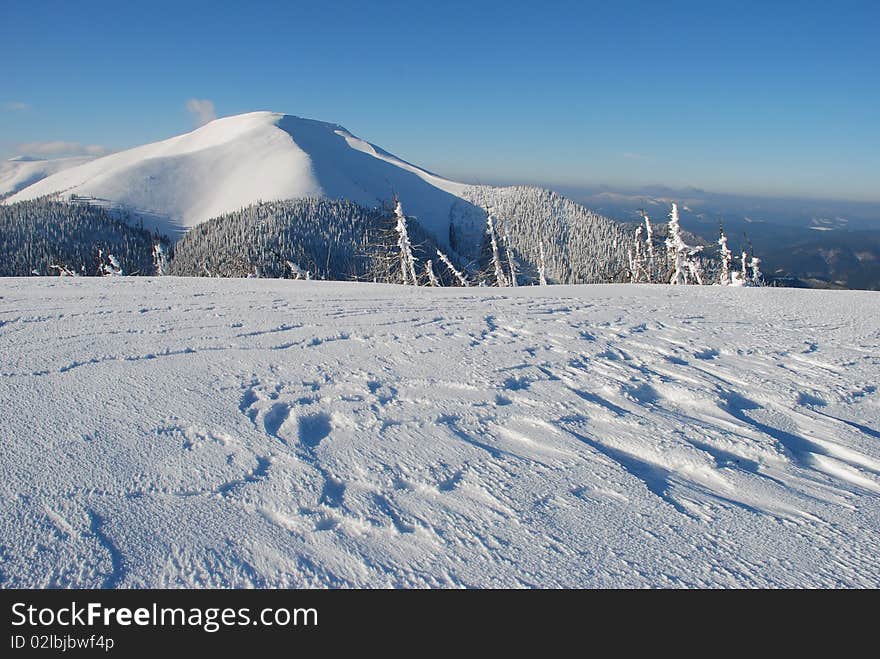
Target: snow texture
pixel 203 432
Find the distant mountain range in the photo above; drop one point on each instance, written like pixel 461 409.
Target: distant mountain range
pixel 802 242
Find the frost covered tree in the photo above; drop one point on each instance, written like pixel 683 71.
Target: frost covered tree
pixel 160 260
pixel 62 270
pixel 455 271
pixel 695 270
pixel 500 278
pixel 755 264
pixel 681 255
pixel 109 265
pixel 429 271
pixel 296 272
pixel 407 262
pixel 726 256
pixel 511 265
pixel 542 265
pixel 649 245
pixel 676 248
pixel 637 260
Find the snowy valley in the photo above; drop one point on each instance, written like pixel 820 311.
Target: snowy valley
pixel 251 432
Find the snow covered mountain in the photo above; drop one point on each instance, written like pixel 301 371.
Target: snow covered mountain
pixel 18 173
pixel 239 160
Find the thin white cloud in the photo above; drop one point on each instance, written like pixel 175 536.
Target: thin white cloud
pixel 60 148
pixel 631 155
pixel 16 106
pixel 202 110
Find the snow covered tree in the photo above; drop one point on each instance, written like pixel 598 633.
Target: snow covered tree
pixel 756 271
pixel 298 273
pixel 695 270
pixel 455 271
pixel 637 261
pixel 109 267
pixel 63 271
pixel 542 265
pixel 649 244
pixel 160 260
pixel 511 265
pixel 39 234
pixel 322 238
pixel 726 256
pixel 407 263
pixel 429 271
pixel 500 278
pixel 579 245
pixel 676 248
pixel 680 254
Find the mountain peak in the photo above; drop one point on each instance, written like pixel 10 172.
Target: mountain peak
pixel 235 161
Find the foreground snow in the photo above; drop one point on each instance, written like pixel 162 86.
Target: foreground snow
pixel 197 432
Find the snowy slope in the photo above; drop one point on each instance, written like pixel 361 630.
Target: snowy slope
pixel 18 173
pixel 236 161
pixel 197 432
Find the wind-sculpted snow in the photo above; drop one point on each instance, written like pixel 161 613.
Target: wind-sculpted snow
pixel 202 432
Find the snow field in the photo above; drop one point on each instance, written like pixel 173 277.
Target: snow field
pixel 203 432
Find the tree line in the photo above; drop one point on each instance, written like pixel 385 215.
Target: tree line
pixel 509 236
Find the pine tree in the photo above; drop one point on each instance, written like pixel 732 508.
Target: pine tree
pixel 109 267
pixel 649 244
pixel 680 254
pixel 637 261
pixel 407 263
pixel 542 266
pixel 429 271
pixel 500 279
pixel 457 273
pixel 160 260
pixel 676 248
pixel 726 256
pixel 510 262
pixel 756 271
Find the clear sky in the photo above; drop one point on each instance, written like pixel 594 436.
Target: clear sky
pixel 760 97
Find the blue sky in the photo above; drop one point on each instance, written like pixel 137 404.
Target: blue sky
pixel 767 97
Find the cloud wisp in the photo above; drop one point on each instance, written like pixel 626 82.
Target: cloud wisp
pixel 16 106
pixel 202 110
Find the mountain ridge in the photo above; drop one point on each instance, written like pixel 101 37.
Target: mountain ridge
pixel 235 161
